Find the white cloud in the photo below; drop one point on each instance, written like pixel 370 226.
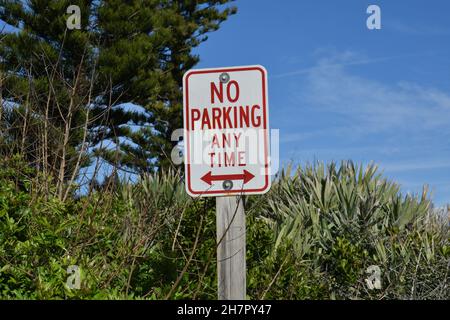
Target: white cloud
pixel 341 59
pixel 372 106
pixel 416 165
pixel 403 127
pixel 417 30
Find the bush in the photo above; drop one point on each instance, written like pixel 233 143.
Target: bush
pixel 313 236
pixel 338 221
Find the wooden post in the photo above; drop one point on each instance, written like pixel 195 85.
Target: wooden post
pixel 231 267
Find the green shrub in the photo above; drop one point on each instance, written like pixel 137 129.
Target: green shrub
pixel 311 237
pixel 339 220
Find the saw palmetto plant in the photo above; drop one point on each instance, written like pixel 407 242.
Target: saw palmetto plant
pixel 342 219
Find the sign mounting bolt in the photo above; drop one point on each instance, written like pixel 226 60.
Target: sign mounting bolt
pixel 227 185
pixel 224 77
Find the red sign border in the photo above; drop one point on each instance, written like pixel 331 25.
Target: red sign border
pixel 186 76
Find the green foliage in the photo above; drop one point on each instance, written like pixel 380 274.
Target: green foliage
pixel 311 237
pixel 339 220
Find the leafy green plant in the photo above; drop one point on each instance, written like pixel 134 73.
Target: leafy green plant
pixel 313 236
pixel 342 219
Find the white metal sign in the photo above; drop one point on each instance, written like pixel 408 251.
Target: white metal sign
pixel 226 124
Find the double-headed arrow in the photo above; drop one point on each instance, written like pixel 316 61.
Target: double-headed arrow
pixel 245 175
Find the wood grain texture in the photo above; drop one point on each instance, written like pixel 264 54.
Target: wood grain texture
pixel 231 266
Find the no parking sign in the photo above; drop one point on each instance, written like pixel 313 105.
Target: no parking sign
pixel 226 124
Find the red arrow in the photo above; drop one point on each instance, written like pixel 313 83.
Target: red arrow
pixel 246 176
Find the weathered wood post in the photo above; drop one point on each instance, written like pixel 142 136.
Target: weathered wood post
pixel 231 266
pixel 227 155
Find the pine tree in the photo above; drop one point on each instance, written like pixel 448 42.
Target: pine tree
pixel 129 31
pixel 126 53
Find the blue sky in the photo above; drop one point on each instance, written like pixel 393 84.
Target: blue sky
pixel 340 91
